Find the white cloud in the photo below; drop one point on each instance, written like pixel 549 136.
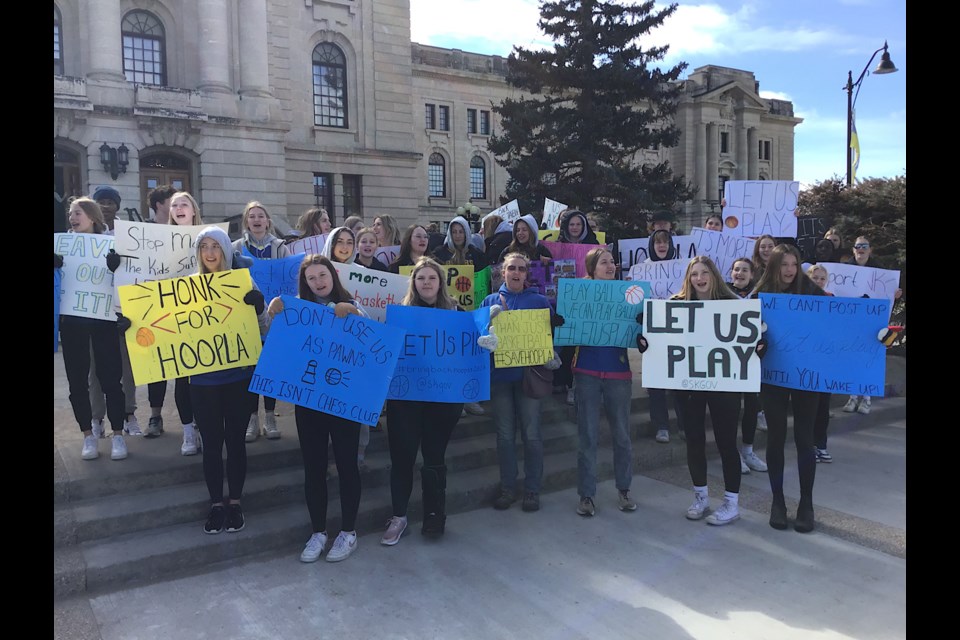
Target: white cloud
pixel 493 26
pixel 775 95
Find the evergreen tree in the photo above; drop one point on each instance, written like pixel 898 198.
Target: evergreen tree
pixel 595 102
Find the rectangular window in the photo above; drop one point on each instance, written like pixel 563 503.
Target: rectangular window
pixel 485 123
pixel 724 142
pixel 352 195
pixel 437 183
pixel 478 182
pixel 323 191
pixel 431 116
pixel 444 118
pixel 723 182
pixel 764 149
pixel 471 120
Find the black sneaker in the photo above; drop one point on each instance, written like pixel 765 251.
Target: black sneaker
pixel 215 519
pixel 531 501
pixel 234 518
pixel 504 500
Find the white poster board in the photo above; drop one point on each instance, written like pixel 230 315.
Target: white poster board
pixel 757 207
pixel 722 248
pixel 373 290
pixel 854 281
pixel 551 213
pixel 665 277
pixel 387 255
pixel 308 245
pixel 509 211
pixel 86 289
pixel 634 250
pixel 156 251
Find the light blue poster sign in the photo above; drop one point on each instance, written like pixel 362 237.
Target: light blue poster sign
pixel 339 366
pixel 440 360
pixel 277 277
pixel 822 343
pixel 599 313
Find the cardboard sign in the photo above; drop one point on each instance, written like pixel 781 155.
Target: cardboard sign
pixel 854 281
pixel 310 244
pixel 553 235
pixel 599 313
pixel 665 277
pixel 722 248
pixel 824 343
pixel 86 289
pixel 278 276
pixel 509 212
pixel 387 255
pixel 459 283
pixel 570 251
pixel 157 251
pixel 440 360
pixel 551 213
pixel 338 366
pixel 702 345
pixel 634 250
pixel 756 207
pixel 373 290
pixel 188 326
pixel 524 338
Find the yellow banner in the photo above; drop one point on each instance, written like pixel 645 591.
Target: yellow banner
pixel 524 338
pixel 553 235
pixel 459 283
pixel 188 326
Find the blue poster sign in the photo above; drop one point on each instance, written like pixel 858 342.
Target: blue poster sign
pixel 599 313
pixel 277 277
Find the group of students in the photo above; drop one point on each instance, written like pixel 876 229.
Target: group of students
pixel 215 408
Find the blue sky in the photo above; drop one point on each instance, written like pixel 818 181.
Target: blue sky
pixel 799 51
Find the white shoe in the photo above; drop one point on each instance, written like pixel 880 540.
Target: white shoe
pixel 190 437
pixel 270 426
pixel 131 426
pixel 864 407
pixel 119 450
pixel 753 461
pixel 744 469
pixel 663 436
pixel 473 408
pixel 314 549
pixel 97 425
pixel 727 513
pixel 343 546
pixel 851 405
pixel 253 428
pixel 571 397
pixel 90 448
pixel 761 421
pixel 699 508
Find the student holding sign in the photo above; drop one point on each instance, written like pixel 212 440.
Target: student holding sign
pixel 412 247
pixel 367 249
pixel 819 275
pixel 525 241
pixel 220 399
pixel 78 336
pixel 761 254
pixel 783 275
pixel 318 282
pixel 603 375
pixel 714 222
pixel 340 246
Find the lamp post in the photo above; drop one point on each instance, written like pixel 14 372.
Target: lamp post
pixel 885 66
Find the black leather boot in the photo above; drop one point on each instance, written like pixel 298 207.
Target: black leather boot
pixel 434 483
pixel 804 521
pixel 778 513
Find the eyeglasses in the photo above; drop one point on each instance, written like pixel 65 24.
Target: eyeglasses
pixel 862 245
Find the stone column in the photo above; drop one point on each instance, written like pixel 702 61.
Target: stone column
pixel 254 79
pixel 742 150
pixel 712 164
pixel 104 40
pixel 214 46
pixel 700 155
pixel 753 162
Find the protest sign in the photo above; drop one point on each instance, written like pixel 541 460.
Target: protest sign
pixel 440 360
pixel 310 244
pixel 553 235
pixel 634 250
pixel 188 326
pixel 387 255
pixel 57 277
pixel 854 281
pixel 599 313
pixel 722 248
pixel 810 231
pixel 458 280
pixel 496 277
pixel 481 284
pixel 665 277
pixel 540 275
pixel 570 251
pixel 825 343
pixel 86 289
pixel 524 338
pixel 756 207
pixel 338 366
pixel 551 213
pixel 373 290
pixel 509 212
pixel 278 276
pixel 704 345
pixel 156 251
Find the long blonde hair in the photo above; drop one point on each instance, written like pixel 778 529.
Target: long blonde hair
pixel 254 204
pixel 718 289
pixel 413 299
pixel 193 203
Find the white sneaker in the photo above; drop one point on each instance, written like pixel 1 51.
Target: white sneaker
pixel 864 407
pixel 119 450
pixel 343 546
pixel 663 436
pixel 131 426
pixel 190 436
pixel 727 513
pixel 395 528
pixel 253 428
pixel 851 405
pixel 97 425
pixel 744 469
pixel 571 397
pixel 699 508
pixel 473 408
pixel 270 426
pixel 761 421
pixel 753 461
pixel 90 448
pixel 314 549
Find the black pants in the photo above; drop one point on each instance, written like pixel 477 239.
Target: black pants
pixel 157 391
pixel 563 377
pixel 269 404
pixel 413 426
pixel 748 422
pixel 724 411
pixel 774 400
pixel 316 430
pixel 76 337
pixel 821 420
pixel 222 413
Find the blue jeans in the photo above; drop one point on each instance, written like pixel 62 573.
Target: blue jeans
pixel 616 403
pixel 513 411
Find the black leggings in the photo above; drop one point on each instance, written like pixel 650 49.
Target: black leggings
pixel 412 426
pixel 221 414
pixel 821 420
pixel 724 411
pixel 269 404
pixel 76 337
pixel 774 400
pixel 157 391
pixel 315 430
pixel 748 422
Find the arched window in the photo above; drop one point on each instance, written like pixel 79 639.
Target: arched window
pixel 57 42
pixel 329 86
pixel 437 176
pixel 478 178
pixel 144 44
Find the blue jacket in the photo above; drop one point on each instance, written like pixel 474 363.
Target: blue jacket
pixel 529 298
pixel 602 362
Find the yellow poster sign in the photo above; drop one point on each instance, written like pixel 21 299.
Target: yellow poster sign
pixel 187 326
pixel 524 338
pixel 553 235
pixel 459 283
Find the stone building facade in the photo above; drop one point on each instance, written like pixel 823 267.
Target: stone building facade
pixel 299 103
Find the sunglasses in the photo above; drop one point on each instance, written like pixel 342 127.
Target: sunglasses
pixel 862 245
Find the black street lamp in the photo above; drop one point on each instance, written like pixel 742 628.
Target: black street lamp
pixel 885 66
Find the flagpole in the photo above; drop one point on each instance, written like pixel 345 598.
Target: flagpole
pixel 885 66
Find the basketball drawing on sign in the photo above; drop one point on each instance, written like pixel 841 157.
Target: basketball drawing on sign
pixel 471 389
pixel 399 386
pixel 335 376
pixel 633 295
